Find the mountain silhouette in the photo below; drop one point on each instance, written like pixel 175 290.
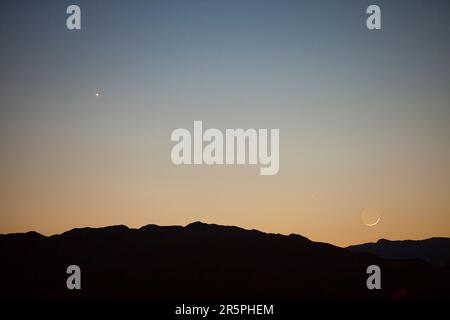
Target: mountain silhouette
pixel 434 250
pixel 203 261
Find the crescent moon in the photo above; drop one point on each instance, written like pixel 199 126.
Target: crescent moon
pixel 373 224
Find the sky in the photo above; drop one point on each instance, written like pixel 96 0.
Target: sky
pixel 364 116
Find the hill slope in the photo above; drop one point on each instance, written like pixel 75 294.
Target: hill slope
pixel 202 261
pixel 435 250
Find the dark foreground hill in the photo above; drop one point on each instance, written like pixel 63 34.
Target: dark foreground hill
pixel 202 261
pixel 435 250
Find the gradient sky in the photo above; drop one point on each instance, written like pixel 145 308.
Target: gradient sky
pixel 364 116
